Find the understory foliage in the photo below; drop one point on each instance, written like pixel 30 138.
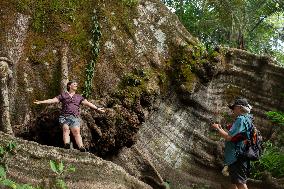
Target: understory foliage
pixel 272 159
pixel 254 25
pixel 5 154
pixel 276 117
pixel 60 170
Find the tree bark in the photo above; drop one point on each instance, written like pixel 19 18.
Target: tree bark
pixel 64 67
pixel 4 75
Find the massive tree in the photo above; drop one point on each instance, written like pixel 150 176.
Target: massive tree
pixel 158 84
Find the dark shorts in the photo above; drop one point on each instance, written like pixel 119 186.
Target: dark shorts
pixel 239 171
pixel 70 120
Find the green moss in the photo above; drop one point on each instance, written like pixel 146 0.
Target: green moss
pixel 130 3
pixel 133 85
pixel 55 22
pixel 121 16
pixel 188 79
pixel 190 63
pixel 182 64
pixel 162 78
pixel 38 43
pixel 61 20
pixel 38 51
pixel 214 54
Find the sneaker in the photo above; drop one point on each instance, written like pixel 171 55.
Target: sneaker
pixel 67 146
pixel 82 149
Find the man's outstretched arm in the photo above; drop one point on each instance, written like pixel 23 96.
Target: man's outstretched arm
pixel 91 105
pixel 48 101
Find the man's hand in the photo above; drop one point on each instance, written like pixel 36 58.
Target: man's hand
pixel 216 126
pixel 36 102
pixel 102 110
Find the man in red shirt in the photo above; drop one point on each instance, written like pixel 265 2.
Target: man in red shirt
pixel 70 113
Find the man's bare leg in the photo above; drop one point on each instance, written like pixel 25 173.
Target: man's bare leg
pixel 66 134
pixel 76 133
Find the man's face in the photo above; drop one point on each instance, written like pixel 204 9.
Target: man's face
pixel 237 110
pixel 74 86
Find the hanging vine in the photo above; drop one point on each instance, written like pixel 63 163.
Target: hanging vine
pixel 95 45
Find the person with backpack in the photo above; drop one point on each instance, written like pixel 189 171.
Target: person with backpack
pixel 238 167
pixel 70 113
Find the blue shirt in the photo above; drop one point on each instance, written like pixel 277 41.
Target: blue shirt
pixel 240 125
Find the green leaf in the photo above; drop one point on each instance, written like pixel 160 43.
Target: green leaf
pixel 61 184
pixel 10 183
pixel 25 186
pixel 2 151
pixel 60 167
pixel 2 172
pixel 11 146
pixel 71 169
pixel 53 166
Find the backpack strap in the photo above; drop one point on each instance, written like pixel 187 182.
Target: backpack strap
pixel 249 128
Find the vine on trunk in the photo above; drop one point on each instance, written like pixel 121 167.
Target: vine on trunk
pixel 95 44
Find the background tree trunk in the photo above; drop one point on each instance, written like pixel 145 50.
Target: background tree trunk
pixel 5 104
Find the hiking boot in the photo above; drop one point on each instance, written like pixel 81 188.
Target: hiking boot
pixel 67 146
pixel 82 149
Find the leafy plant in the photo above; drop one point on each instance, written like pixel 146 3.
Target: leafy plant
pixel 59 169
pixel 5 152
pixel 276 117
pixel 272 161
pixel 56 167
pixel 8 183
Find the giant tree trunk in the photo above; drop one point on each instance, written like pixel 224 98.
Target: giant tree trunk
pixel 160 88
